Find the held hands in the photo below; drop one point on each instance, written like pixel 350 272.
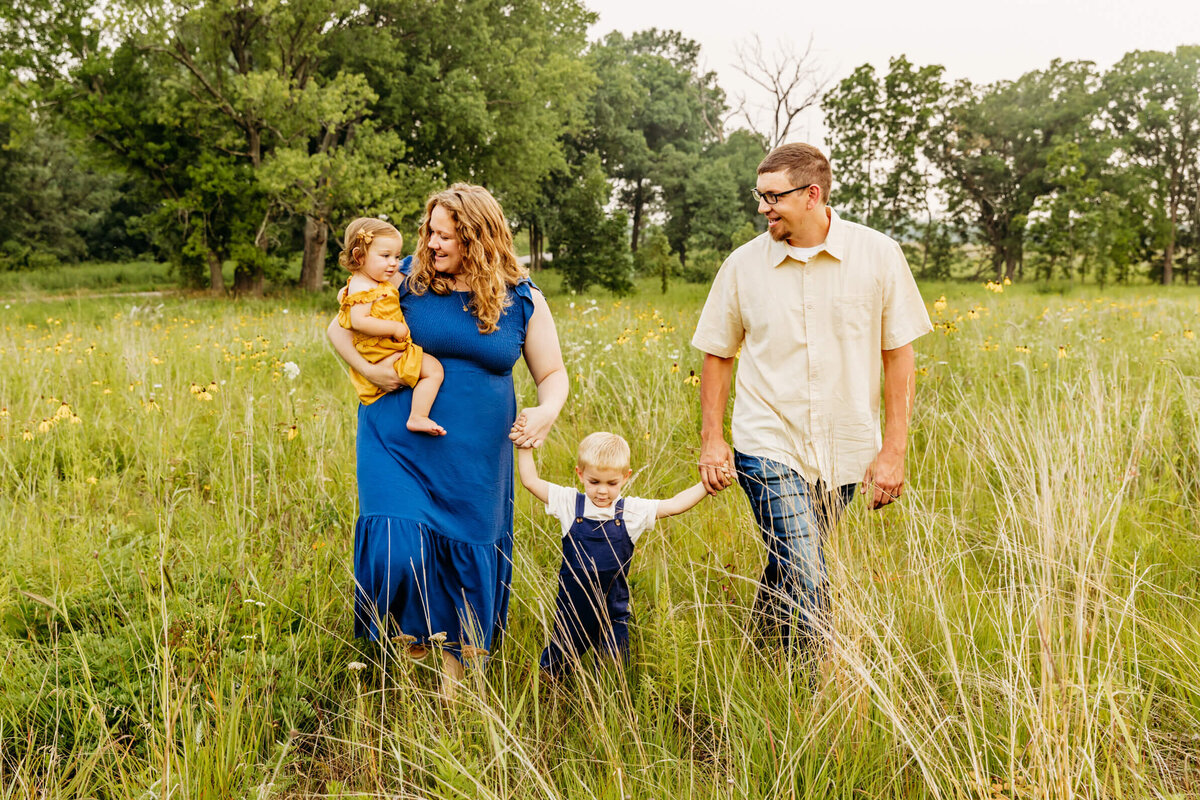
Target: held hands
pixel 883 482
pixel 532 427
pixel 716 465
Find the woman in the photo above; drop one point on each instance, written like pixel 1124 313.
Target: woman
pixel 433 542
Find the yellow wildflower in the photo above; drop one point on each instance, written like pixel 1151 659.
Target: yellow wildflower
pixel 1187 334
pixel 203 395
pixel 4 412
pixel 92 480
pixel 1062 351
pixel 1021 348
pixel 44 425
pixel 26 435
pixel 213 388
pixel 674 368
pixel 291 433
pixel 939 305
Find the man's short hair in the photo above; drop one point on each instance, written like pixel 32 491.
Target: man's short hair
pixel 603 450
pixel 804 165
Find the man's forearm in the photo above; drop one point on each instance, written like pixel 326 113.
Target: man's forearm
pixel 715 377
pixel 899 388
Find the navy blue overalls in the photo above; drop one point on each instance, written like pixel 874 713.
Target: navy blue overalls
pixel 592 609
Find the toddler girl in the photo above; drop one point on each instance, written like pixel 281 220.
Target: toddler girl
pixel 370 308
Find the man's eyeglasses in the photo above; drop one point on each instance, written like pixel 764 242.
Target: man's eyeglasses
pixel 772 198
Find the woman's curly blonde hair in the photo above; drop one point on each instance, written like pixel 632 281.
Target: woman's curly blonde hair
pixel 359 235
pixel 489 262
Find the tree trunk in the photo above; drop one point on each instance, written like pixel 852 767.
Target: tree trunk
pixel 248 280
pixel 1011 261
pixel 216 280
pixel 1169 256
pixel 312 268
pixel 925 240
pixel 535 246
pixel 638 202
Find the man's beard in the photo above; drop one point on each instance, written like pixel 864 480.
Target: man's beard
pixel 780 231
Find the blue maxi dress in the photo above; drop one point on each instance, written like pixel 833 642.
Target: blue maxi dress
pixel 433 541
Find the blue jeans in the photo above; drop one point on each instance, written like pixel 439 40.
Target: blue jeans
pixel 794 517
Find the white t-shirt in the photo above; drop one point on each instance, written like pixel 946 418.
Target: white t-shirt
pixel 803 254
pixel 639 516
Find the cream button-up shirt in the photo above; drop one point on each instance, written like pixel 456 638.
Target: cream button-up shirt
pixel 810 335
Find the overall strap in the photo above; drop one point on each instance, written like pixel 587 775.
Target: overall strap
pixel 579 499
pixel 619 511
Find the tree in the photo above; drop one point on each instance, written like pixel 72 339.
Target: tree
pixel 992 145
pixel 589 246
pixel 913 96
pixel 652 94
pixel 1154 109
pixel 488 102
pixel 858 152
pixel 707 195
pixel 791 81
pixel 196 99
pixel 877 131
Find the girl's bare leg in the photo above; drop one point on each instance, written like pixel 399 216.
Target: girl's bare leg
pixel 424 393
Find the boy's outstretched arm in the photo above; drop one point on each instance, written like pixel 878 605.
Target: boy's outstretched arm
pixel 682 502
pixel 538 487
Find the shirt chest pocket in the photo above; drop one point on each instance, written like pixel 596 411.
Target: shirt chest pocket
pixel 852 316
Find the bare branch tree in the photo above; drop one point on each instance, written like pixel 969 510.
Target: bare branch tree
pixel 714 113
pixel 791 81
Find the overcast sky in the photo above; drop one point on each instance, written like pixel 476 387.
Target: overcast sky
pixel 980 41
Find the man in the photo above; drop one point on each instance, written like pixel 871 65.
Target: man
pixel 816 306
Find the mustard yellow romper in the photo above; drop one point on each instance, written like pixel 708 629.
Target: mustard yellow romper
pixel 385 302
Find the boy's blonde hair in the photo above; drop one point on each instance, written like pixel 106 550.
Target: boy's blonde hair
pixel 603 450
pixel 359 235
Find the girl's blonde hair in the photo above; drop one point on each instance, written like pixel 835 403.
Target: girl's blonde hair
pixel 489 262
pixel 359 235
pixel 603 450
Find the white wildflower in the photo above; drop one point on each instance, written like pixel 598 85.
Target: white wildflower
pixel 292 370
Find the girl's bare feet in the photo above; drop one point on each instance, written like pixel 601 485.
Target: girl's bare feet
pixel 425 425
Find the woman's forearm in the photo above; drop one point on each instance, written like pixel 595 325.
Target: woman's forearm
pixel 381 374
pixel 343 344
pixel 552 390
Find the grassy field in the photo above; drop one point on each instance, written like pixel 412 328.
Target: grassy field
pixel 175 572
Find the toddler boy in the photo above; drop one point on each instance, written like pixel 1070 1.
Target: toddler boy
pixel 599 528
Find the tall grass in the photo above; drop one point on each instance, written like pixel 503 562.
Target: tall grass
pixel 175 573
